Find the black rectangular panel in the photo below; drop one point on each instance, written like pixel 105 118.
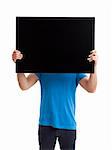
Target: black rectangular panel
pixel 55 44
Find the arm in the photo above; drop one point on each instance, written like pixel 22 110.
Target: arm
pixel 24 82
pixel 90 84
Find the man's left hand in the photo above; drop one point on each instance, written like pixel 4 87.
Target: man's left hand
pixel 93 56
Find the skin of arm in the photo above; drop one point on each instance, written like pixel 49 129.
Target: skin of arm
pixel 26 82
pixel 90 84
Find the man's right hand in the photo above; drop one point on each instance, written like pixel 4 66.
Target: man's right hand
pixel 16 55
pixel 24 82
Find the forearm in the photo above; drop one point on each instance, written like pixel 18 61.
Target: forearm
pixel 22 80
pixel 92 82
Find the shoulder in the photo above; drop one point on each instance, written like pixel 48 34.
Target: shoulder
pixel 38 75
pixel 80 76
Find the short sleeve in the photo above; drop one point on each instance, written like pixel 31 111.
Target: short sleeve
pixel 38 75
pixel 79 76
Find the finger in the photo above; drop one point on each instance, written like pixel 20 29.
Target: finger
pixel 89 59
pixel 13 56
pixel 93 54
pixel 93 58
pixel 14 59
pixel 16 55
pixel 17 51
pixel 93 51
pixel 21 55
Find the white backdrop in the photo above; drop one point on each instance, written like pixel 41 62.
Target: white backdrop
pixel 19 110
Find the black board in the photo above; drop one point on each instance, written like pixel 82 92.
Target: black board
pixel 55 44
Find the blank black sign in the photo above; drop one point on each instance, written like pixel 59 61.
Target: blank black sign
pixel 55 44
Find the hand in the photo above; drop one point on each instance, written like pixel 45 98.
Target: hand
pixel 16 55
pixel 93 57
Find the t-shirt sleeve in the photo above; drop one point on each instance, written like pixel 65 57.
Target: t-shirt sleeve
pixel 79 76
pixel 38 75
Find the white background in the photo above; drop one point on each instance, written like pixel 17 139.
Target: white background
pixel 19 110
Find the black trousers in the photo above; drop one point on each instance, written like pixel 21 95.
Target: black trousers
pixel 47 136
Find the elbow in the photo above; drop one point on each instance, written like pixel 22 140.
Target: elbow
pixel 23 88
pixel 91 90
pixel 23 84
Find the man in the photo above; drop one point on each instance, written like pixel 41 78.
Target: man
pixel 57 110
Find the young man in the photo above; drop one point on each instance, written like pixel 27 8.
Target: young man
pixel 57 110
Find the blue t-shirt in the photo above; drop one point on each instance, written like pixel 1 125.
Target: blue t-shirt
pixel 57 108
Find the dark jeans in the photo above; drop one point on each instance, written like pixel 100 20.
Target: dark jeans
pixel 47 136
